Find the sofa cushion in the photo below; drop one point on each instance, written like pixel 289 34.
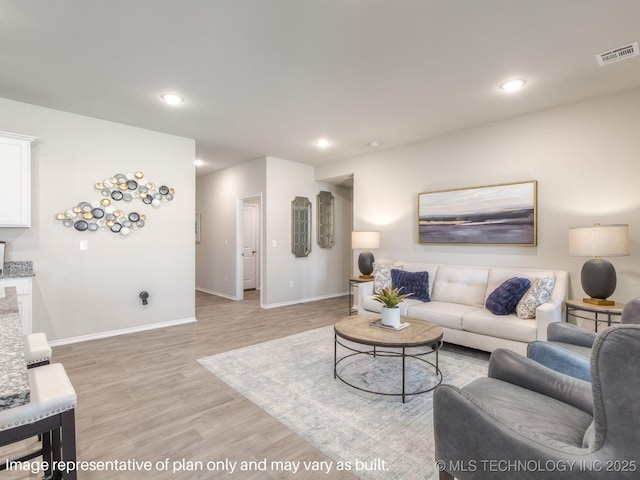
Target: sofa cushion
pixel 419 267
pixel 509 327
pixel 416 283
pixel 381 277
pixel 539 292
pixel 441 313
pixel 498 275
pixel 503 300
pixel 463 285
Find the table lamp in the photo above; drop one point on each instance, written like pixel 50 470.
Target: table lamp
pixel 598 276
pixel 365 241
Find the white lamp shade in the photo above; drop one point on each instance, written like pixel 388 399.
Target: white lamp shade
pixel 599 241
pixel 365 240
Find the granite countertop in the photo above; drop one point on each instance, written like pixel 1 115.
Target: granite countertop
pixel 17 270
pixel 14 382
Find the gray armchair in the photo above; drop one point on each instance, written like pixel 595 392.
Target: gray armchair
pixel 568 347
pixel 527 421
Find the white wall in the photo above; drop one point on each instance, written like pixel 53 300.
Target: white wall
pixel 325 271
pixel 88 293
pixel 216 201
pixel 585 157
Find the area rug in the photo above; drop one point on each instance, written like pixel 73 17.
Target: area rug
pixel 372 436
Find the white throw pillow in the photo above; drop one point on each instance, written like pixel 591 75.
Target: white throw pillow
pixel 382 276
pixel 539 292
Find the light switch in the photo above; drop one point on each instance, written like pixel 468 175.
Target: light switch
pixel 84 245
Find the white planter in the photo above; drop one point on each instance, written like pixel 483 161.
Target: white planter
pixel 391 316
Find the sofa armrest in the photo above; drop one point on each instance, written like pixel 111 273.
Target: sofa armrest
pixel 569 333
pixel 546 314
pixel 364 290
pixel 552 310
pixel 518 370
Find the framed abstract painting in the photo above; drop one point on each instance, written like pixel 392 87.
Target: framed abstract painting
pixel 502 214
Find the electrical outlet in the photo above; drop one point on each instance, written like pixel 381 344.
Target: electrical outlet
pixel 291 283
pixel 84 245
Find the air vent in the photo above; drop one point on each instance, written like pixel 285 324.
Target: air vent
pixel 617 54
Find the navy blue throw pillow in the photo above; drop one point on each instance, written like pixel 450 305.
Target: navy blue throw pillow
pixel 412 282
pixel 503 300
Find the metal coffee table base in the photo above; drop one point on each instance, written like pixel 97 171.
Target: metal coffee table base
pixel 434 349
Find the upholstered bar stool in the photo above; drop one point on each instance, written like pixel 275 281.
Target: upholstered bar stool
pixel 49 413
pixel 37 350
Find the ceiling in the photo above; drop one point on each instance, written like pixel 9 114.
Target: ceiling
pixel 269 77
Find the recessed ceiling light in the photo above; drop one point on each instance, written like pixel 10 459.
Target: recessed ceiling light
pixel 513 85
pixel 322 143
pixel 199 163
pixel 374 143
pixel 172 98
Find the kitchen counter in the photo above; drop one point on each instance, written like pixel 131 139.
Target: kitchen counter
pixel 14 382
pixel 17 270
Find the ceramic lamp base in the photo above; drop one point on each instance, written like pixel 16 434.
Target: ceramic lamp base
pixel 598 278
pixel 599 301
pixel 365 263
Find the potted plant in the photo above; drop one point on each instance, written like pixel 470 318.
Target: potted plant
pixel 390 298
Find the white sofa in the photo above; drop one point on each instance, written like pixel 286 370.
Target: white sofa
pixel 458 295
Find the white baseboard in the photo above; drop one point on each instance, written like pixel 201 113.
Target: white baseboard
pixel 219 294
pixel 303 300
pixel 123 331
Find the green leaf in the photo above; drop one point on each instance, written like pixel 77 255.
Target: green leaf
pixel 391 297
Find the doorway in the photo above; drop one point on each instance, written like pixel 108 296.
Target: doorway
pixel 249 246
pixel 248 267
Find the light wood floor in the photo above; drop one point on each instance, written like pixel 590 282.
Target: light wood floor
pixel 145 397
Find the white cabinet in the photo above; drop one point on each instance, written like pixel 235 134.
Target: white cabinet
pixel 15 172
pixel 23 288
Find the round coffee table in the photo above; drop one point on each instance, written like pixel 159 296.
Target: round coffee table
pixel 359 330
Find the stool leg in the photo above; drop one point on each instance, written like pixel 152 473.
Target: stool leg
pixel 47 453
pixel 68 420
pixel 56 453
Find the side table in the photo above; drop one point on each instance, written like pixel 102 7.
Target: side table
pixel 601 314
pixel 353 282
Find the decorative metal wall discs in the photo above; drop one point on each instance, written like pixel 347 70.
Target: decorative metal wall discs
pixel 97 213
pixel 102 214
pixel 81 225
